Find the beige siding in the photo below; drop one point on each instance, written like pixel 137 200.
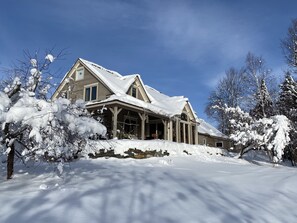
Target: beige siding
pixel 211 141
pixel 138 94
pixel 77 87
pixel 188 112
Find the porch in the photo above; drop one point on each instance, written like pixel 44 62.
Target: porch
pixel 126 121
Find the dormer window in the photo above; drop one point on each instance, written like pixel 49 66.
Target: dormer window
pixel 134 92
pixel 79 75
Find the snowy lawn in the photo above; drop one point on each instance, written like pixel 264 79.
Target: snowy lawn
pixel 178 188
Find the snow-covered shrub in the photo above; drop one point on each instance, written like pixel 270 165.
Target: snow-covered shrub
pixel 268 134
pixel 33 127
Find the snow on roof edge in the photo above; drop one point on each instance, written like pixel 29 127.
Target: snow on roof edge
pixel 206 128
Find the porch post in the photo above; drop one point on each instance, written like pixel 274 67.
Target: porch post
pixel 115 111
pixel 177 130
pixel 196 134
pixel 170 130
pixel 189 133
pixel 143 118
pixel 166 135
pixel 184 131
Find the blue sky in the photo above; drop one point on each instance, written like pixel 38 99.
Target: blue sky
pixel 178 47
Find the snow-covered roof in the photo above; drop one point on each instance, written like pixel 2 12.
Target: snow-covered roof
pixel 172 105
pixel 159 103
pixel 113 80
pixel 206 128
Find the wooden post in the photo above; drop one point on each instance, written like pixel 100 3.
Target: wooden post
pixel 170 130
pixel 184 132
pixel 196 134
pixel 165 129
pixel 143 118
pixel 189 133
pixel 177 130
pixel 115 111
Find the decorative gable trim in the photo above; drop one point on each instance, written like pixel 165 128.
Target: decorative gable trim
pixel 140 89
pixel 94 75
pixel 190 112
pixel 69 74
pixel 72 74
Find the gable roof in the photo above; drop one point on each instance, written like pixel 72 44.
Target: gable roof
pixel 114 81
pixel 207 129
pixel 119 85
pixel 172 105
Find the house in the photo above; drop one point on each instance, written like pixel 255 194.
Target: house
pixel 210 136
pixel 127 107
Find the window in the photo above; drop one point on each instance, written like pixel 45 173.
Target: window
pixel 183 117
pixel 219 144
pixel 79 74
pixel 94 93
pixel 134 92
pixel 204 141
pixel 130 125
pixel 91 93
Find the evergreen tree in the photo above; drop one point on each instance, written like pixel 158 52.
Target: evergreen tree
pixel 287 103
pixel 264 105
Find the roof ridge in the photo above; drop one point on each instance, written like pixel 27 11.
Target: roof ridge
pixel 101 67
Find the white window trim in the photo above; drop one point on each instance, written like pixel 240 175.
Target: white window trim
pixel 76 72
pixel 90 86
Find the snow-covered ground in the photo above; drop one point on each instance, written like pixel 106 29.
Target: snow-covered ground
pixel 203 187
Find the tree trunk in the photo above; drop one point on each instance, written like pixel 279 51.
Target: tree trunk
pixel 10 162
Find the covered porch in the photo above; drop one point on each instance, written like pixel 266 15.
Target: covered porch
pixel 126 121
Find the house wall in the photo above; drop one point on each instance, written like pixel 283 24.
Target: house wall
pixel 139 95
pixel 140 91
pixel 78 87
pixel 211 141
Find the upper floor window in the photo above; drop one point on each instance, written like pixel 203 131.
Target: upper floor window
pixel 91 93
pixel 134 92
pixel 79 75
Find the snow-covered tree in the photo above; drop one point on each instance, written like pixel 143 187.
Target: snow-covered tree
pixel 240 88
pixel 255 72
pixel 230 91
pixel 287 105
pixel 264 106
pixel 287 102
pixel 268 134
pixel 35 128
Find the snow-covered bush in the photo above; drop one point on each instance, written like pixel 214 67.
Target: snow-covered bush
pixel 37 128
pixel 268 134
